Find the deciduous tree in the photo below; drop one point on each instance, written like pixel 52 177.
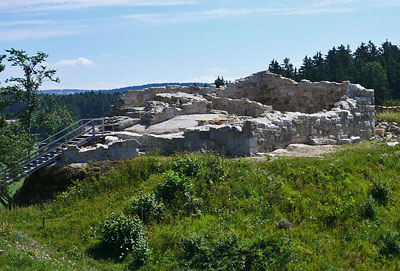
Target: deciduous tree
pixel 25 89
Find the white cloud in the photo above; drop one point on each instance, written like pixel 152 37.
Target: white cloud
pixel 28 22
pixel 23 34
pixel 48 5
pixel 107 85
pixel 223 13
pixel 336 2
pixel 201 79
pixel 390 3
pixel 216 70
pixel 80 61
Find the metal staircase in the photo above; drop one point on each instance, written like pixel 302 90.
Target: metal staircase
pixel 50 149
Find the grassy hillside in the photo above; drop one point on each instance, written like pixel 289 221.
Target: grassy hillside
pixel 204 212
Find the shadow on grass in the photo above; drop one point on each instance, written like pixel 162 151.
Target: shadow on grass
pixel 103 251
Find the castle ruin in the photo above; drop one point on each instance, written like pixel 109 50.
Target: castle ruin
pixel 254 115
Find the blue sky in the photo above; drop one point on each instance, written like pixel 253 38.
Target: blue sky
pixel 102 44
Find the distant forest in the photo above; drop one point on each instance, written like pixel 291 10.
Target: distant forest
pixel 373 67
pixel 93 104
pixel 118 90
pixel 89 104
pixel 83 104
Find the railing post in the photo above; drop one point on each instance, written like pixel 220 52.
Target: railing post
pixel 94 131
pixel 112 121
pixel 102 128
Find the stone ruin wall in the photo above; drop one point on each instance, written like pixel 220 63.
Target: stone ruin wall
pixel 285 94
pixel 254 115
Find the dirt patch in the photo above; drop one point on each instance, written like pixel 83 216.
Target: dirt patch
pixel 303 150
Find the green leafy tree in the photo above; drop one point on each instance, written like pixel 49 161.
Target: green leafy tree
pixel 390 59
pixel 373 75
pixel 340 64
pixel 25 89
pixel 13 142
pixel 50 118
pixel 274 67
pixel 219 82
pixel 287 68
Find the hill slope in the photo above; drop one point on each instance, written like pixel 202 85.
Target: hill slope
pixel 205 212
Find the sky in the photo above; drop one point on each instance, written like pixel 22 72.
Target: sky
pixel 104 44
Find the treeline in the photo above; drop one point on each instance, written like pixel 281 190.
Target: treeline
pixel 119 90
pixel 93 104
pixel 373 67
pixel 89 104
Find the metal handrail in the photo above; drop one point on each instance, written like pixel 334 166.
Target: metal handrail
pixel 34 153
pixel 43 141
pixel 62 141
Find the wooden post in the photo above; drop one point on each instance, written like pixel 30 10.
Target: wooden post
pixel 44 222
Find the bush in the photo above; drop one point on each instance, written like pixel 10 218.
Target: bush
pixel 368 209
pixel 380 191
pixel 215 169
pixel 147 208
pixel 340 211
pixel 391 244
pixel 230 252
pixel 172 187
pixel 125 235
pixel 187 166
pixel 177 194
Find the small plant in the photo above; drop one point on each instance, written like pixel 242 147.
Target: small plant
pixel 215 169
pixel 177 194
pixel 380 191
pixel 390 244
pixel 125 235
pixel 339 211
pixel 284 224
pixel 172 187
pixel 230 252
pixel 147 208
pixel 368 210
pixel 188 166
pixel 5 229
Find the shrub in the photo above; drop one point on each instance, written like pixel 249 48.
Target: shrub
pixel 340 211
pixel 172 187
pixel 380 191
pixel 124 234
pixel 146 207
pixel 177 194
pixel 368 209
pixel 140 168
pixel 391 244
pixel 230 252
pixel 187 166
pixel 215 169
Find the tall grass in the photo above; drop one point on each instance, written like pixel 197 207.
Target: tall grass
pixel 291 213
pixel 388 116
